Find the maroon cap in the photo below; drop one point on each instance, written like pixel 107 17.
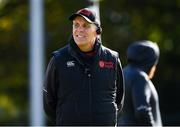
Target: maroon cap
pixel 87 14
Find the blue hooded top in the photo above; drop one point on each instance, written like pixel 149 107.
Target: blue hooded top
pixel 143 54
pixel 141 102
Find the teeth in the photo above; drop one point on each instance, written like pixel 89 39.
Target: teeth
pixel 80 36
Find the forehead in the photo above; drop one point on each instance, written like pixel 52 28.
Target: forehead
pixel 80 19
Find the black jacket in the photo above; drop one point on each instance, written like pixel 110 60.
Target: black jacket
pixel 141 103
pixel 83 91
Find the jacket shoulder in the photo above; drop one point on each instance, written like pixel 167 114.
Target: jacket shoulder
pixel 60 52
pixel 110 51
pixel 134 74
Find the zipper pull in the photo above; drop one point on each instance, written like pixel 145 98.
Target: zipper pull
pixel 89 75
pixel 87 71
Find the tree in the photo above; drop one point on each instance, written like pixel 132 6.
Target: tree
pixel 123 21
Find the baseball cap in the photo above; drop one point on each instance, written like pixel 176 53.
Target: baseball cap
pixel 87 14
pixel 143 53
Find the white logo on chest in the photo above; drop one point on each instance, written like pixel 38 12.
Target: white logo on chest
pixel 70 64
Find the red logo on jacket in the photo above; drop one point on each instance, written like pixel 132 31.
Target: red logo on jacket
pixel 106 64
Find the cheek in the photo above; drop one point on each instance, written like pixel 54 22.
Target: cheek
pixel 92 33
pixel 73 31
pixel 73 34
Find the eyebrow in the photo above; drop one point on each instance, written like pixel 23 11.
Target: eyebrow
pixel 87 24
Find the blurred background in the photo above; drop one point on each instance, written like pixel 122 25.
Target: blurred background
pixel 123 22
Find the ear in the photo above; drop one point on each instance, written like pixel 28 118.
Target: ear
pixel 99 30
pixel 152 72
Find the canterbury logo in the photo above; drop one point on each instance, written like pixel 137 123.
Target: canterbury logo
pixel 70 64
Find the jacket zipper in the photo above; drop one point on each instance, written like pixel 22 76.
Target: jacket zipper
pixel 90 95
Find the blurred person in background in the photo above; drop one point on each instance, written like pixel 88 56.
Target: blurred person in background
pixel 141 103
pixel 84 80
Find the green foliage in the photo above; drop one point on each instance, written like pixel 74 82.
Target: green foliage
pixel 123 21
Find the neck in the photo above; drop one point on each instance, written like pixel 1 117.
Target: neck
pixel 87 48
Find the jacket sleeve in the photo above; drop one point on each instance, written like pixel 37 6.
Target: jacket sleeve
pixel 49 91
pixel 141 101
pixel 120 87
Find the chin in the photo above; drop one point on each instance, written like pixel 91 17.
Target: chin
pixel 78 42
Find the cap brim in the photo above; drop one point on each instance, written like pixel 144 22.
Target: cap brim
pixel 75 15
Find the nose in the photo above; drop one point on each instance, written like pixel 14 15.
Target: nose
pixel 80 29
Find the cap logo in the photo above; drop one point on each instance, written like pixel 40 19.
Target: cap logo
pixel 85 12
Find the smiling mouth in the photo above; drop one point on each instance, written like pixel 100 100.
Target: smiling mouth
pixel 80 36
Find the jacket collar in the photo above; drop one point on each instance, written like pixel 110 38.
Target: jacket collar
pixel 84 58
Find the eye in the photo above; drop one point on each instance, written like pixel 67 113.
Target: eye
pixel 87 26
pixel 75 26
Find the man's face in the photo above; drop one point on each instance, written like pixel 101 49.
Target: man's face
pixel 84 33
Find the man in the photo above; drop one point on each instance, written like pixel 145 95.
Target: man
pixel 141 104
pixel 84 80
